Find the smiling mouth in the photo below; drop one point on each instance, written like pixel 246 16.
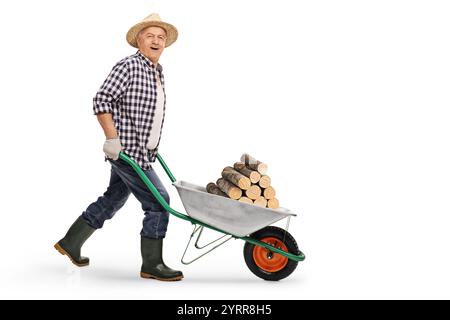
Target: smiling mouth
pixel 155 49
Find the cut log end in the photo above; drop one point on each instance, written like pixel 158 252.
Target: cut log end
pixel 262 168
pixel 246 200
pixel 269 193
pixel 265 182
pixel 255 176
pixel 244 183
pixel 260 202
pixel 235 193
pixel 273 203
pixel 253 192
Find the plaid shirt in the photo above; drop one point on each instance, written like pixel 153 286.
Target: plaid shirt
pixel 129 94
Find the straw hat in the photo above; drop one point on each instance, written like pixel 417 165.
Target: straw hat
pixel 152 20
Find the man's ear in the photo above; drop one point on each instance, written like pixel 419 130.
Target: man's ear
pixel 138 37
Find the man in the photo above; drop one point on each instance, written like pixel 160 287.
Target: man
pixel 130 107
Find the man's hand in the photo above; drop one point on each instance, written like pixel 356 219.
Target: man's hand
pixel 112 147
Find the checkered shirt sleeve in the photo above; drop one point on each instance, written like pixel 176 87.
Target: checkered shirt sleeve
pixel 112 89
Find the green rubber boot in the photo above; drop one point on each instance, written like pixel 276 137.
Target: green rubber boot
pixel 153 266
pixel 71 244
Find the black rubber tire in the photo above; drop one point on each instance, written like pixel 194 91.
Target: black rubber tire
pixel 290 243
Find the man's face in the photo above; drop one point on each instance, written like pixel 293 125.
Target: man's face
pixel 151 42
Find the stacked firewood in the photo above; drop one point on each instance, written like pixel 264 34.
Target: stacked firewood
pixel 247 182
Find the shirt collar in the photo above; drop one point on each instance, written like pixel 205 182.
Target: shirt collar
pixel 149 62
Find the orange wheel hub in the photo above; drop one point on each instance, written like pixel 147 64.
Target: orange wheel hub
pixel 267 260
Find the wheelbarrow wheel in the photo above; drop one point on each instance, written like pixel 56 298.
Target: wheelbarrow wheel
pixel 266 264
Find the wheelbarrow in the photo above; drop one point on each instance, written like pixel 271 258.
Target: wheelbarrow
pixel 270 252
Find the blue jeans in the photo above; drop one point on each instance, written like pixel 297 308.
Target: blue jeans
pixel 124 180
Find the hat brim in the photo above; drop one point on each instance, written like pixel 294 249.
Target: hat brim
pixel 171 31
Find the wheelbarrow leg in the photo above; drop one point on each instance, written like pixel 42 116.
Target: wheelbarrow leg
pixel 198 238
pixel 196 229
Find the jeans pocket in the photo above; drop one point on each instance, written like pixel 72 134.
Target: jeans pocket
pixel 114 162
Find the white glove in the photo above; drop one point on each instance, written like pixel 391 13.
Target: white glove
pixel 112 147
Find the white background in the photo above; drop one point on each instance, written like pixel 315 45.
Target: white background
pixel 346 101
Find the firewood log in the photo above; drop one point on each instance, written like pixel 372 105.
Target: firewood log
pixel 261 202
pixel 239 165
pixel 252 174
pixel 273 203
pixel 265 182
pixel 254 164
pixel 236 178
pixel 246 200
pixel 269 193
pixel 212 188
pixel 230 189
pixel 253 192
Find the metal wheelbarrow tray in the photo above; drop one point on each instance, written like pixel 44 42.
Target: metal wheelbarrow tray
pixel 236 218
pixel 270 252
